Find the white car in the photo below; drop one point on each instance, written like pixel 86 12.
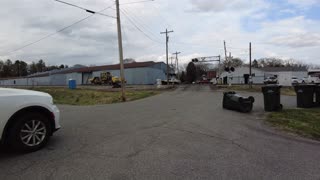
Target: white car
pixel 27 119
pixel 271 80
pixel 295 80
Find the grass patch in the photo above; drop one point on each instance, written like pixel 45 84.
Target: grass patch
pixel 92 97
pixel 305 122
pixel 288 91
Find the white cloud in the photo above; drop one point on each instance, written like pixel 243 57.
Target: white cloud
pixel 297 40
pixel 225 5
pixel 199 30
pixel 304 3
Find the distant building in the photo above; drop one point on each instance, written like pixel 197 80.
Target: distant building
pixel 211 74
pixel 136 73
pixel 284 74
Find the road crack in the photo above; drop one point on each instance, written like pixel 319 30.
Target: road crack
pixel 233 142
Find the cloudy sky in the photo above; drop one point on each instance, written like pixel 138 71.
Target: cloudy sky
pixel 276 28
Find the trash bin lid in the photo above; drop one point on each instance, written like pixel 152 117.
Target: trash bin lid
pixel 268 87
pixel 304 87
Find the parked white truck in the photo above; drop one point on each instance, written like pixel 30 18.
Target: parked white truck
pixel 314 76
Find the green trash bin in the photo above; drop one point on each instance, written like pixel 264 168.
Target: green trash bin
pixel 233 101
pixel 271 95
pixel 318 95
pixel 305 95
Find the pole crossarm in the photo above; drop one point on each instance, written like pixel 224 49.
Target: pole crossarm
pixel 209 58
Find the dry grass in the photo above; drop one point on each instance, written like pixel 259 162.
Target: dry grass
pixel 92 97
pixel 305 122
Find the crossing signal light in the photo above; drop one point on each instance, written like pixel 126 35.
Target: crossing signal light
pixel 195 60
pixel 229 69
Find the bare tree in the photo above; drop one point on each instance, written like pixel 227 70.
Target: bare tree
pixel 191 72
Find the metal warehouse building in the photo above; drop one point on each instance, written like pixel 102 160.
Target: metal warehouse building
pixel 137 73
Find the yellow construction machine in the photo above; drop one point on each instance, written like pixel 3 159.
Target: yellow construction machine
pixel 106 79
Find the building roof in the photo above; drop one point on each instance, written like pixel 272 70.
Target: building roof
pixel 110 67
pixel 91 69
pixel 96 68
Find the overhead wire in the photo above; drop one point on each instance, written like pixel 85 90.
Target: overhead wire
pixel 87 10
pixel 140 22
pixel 136 2
pixel 56 32
pixel 164 22
pixel 138 28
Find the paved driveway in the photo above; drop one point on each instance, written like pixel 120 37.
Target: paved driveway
pixel 183 134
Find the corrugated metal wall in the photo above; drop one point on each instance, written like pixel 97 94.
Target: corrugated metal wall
pixel 137 76
pixel 74 76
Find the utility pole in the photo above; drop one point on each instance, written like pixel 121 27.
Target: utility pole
pixel 167 47
pixel 177 61
pixel 123 88
pixel 250 64
pixel 225 50
pixel 219 71
pixel 230 60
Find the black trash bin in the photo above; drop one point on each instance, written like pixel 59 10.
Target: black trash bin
pixel 305 95
pixel 271 94
pixel 234 101
pixel 318 95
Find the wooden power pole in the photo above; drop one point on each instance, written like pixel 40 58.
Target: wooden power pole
pixel 167 47
pixel 250 65
pixel 123 88
pixel 177 61
pixel 225 51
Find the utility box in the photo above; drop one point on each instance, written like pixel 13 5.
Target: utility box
pixel 72 84
pixel 233 101
pixel 271 96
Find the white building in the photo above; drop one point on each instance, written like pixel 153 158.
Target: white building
pixel 284 74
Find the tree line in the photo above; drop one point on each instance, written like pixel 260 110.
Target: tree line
pixel 21 68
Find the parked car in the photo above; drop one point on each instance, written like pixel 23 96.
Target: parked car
pixel 27 119
pixel 295 80
pixel 313 79
pixel 213 81
pixel 314 76
pixel 271 80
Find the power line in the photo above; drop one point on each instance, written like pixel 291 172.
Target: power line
pixel 139 29
pixel 136 2
pixel 164 21
pixel 56 32
pixel 87 10
pixel 236 48
pixel 140 22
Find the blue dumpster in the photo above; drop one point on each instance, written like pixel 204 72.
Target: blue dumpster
pixel 72 84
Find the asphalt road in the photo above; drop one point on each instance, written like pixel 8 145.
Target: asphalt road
pixel 182 134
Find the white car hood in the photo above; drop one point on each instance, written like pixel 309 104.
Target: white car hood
pixel 21 92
